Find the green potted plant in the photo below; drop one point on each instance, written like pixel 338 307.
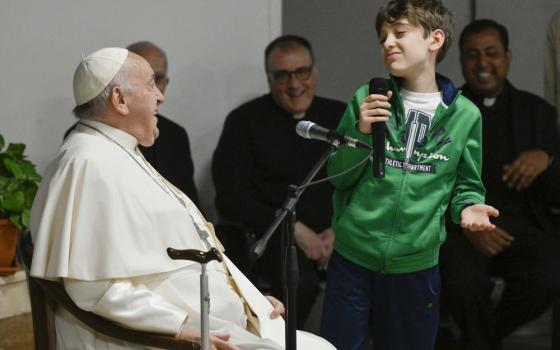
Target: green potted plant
pixel 18 185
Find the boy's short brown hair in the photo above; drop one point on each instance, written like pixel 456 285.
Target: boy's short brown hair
pixel 427 14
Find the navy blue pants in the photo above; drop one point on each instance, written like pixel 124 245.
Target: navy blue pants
pixel 399 311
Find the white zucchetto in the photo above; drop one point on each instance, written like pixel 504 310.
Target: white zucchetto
pixel 96 71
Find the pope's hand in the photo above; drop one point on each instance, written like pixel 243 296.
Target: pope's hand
pixel 218 341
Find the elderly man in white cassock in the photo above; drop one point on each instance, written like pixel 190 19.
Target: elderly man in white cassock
pixel 103 218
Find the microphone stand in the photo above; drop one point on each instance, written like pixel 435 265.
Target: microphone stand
pixel 291 271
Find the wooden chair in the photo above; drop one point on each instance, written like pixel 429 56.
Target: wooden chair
pixel 46 295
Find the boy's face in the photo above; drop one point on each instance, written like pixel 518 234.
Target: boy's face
pixel 485 62
pixel 405 50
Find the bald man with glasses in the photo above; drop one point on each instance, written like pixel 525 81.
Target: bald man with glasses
pixel 259 155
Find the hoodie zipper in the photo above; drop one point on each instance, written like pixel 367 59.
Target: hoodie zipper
pixel 437 121
pixel 400 124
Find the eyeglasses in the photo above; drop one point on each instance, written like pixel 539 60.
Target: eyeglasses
pixel 283 76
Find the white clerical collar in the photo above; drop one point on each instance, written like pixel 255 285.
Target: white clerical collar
pixel 298 116
pixel 123 138
pixel 489 101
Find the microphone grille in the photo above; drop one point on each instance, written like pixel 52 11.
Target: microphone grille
pixel 303 127
pixel 378 86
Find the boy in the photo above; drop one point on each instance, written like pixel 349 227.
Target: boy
pixel 383 277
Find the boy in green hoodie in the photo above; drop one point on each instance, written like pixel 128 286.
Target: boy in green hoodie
pixel 383 277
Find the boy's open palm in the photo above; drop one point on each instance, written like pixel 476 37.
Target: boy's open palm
pixel 477 217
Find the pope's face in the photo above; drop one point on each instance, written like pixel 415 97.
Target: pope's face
pixel 142 100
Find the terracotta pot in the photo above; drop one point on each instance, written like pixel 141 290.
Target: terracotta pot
pixel 8 240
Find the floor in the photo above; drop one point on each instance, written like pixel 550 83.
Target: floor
pixel 527 343
pixel 532 336
pixel 16 333
pixel 521 342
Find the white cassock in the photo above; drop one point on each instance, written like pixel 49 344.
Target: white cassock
pixel 102 221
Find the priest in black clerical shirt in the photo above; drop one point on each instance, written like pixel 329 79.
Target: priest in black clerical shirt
pixel 259 155
pixel 521 174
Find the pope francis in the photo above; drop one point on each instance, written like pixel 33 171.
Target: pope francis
pixel 103 219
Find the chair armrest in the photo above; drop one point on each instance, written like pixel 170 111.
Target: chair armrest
pixel 56 291
pixel 47 292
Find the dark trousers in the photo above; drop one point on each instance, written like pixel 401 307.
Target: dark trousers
pixel 399 311
pixel 530 270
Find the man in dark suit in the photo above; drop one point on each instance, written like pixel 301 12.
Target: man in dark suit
pixel 521 173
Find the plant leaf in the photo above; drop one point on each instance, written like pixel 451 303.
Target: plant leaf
pixel 25 218
pixel 3 170
pixel 22 169
pixel 29 170
pixel 16 150
pixel 3 183
pixel 29 195
pixel 36 178
pixel 14 201
pixel 13 166
pixel 16 220
pixel 18 183
pixel 12 185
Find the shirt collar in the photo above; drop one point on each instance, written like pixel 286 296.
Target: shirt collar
pixel 448 90
pixel 123 138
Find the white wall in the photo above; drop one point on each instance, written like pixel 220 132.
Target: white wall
pixel 344 38
pixel 215 51
pixel 345 42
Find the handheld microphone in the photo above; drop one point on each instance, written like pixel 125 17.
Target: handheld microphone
pixel 378 86
pixel 310 130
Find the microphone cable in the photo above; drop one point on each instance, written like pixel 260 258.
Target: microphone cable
pixel 328 178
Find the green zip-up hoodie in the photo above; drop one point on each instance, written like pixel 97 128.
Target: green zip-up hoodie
pixel 396 224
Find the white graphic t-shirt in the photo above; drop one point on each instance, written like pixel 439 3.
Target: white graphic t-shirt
pixel 419 111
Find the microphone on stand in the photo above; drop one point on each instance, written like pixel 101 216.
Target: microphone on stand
pixel 310 130
pixel 378 86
